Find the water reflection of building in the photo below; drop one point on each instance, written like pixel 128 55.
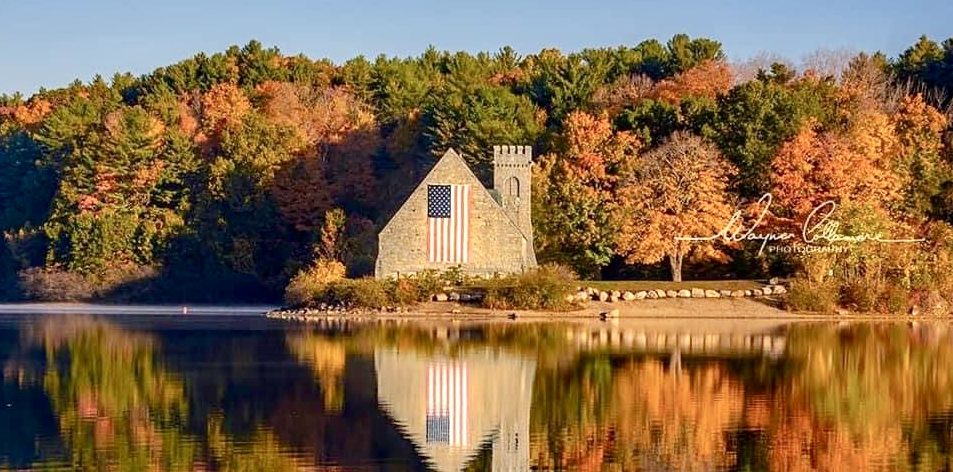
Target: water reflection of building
pixel 451 408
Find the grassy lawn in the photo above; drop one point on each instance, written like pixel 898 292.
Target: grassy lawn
pixel 635 285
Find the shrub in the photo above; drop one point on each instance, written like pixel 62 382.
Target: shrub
pixel 124 282
pixel 885 278
pixel 120 282
pixel 308 285
pixel 54 285
pixel 895 299
pixel 859 296
pixel 429 281
pixel 454 276
pixel 408 291
pixel 805 295
pixel 357 293
pixel 545 288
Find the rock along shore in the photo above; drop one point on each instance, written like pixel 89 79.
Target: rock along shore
pixel 606 303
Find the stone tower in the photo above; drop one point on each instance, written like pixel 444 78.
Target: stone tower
pixel 512 180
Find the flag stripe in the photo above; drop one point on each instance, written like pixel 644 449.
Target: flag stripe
pixel 466 226
pixel 448 223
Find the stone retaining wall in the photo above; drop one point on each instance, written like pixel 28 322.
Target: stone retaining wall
pixel 585 294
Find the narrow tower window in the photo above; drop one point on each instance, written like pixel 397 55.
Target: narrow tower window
pixel 514 187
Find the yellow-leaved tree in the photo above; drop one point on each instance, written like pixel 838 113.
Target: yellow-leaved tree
pixel 680 190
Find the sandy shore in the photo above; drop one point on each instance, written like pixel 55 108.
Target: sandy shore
pixel 663 308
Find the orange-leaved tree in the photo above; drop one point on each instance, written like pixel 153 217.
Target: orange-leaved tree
pixel 680 190
pixel 706 80
pixel 578 192
pixel 224 105
pixel 856 166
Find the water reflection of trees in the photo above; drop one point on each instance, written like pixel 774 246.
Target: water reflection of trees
pixel 858 397
pixel 877 396
pixel 115 403
pixel 841 397
pixel 326 355
pixel 120 408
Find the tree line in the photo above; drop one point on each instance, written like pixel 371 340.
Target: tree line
pixel 223 175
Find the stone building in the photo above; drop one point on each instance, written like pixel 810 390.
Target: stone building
pixel 452 220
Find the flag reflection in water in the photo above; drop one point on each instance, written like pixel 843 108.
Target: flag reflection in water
pixel 447 403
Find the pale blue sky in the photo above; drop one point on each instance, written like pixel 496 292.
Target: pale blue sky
pixel 47 43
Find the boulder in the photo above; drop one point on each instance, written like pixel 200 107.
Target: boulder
pixel 725 293
pixel 453 297
pixel 628 296
pixel 757 292
pixel 712 294
pixel 738 293
pixel 661 293
pixel 570 298
pixel 615 293
pixel 684 293
pixel 766 290
pixel 698 293
pixel 603 296
pixel 749 293
pixel 652 294
pixel 613 298
pixel 641 294
pixel 671 294
pixel 778 289
pixel 774 281
pixel 582 295
pixel 440 297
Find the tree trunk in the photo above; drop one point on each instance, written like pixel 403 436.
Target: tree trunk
pixel 675 260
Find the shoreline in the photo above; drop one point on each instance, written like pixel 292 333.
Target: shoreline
pixel 644 310
pixel 66 308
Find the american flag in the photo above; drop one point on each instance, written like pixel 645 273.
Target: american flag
pixel 447 400
pixel 448 223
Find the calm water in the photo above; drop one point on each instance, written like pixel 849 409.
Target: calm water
pixel 241 393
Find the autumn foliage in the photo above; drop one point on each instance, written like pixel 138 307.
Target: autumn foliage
pixel 679 190
pixel 222 168
pixel 815 167
pixel 579 190
pixel 709 79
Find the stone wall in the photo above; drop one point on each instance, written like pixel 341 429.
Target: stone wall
pixel 496 245
pixel 513 184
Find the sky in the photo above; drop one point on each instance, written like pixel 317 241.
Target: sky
pixel 47 43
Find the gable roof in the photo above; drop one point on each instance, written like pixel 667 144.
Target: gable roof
pixel 449 158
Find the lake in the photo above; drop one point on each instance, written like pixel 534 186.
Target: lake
pixel 220 391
